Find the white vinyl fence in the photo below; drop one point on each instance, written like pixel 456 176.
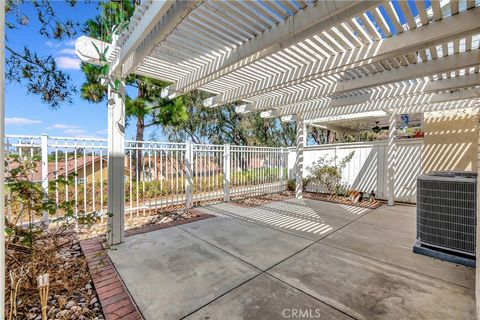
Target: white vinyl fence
pixel 367 171
pixel 158 175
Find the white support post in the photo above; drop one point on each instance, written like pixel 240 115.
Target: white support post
pixel 226 172
pixel 44 173
pixel 116 165
pixel 188 175
pixel 391 159
pixel 301 142
pixel 2 159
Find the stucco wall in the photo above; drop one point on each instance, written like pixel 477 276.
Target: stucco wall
pixel 451 143
pixel 477 271
pixel 451 140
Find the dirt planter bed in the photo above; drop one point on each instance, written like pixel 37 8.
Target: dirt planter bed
pixel 340 200
pixel 260 200
pixel 70 295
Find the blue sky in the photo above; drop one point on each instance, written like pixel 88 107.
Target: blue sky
pixel 26 114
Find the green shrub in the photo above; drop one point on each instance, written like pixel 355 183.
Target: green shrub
pixel 291 183
pixel 27 200
pixel 327 173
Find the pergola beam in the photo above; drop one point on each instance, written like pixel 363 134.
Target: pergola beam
pixel 301 25
pixel 429 35
pixel 419 92
pixel 160 19
pixel 456 100
pixel 85 50
pixel 442 106
pixel 441 65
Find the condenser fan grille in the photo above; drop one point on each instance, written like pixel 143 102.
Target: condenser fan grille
pixel 446 212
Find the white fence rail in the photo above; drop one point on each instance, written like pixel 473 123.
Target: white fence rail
pixel 158 175
pixel 367 171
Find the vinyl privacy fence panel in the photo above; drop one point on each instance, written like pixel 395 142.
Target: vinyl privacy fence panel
pixel 158 176
pixel 367 171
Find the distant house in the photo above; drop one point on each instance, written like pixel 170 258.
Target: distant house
pixel 252 163
pixel 163 170
pixel 89 169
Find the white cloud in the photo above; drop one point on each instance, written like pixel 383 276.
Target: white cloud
pixel 64 52
pixel 75 131
pixel 62 126
pixel 20 121
pixel 52 44
pixel 68 63
pixel 67 51
pixel 102 132
pixel 70 43
pixel 58 44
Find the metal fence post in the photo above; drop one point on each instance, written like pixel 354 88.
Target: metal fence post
pixel 282 165
pixel 226 172
pixel 44 151
pixel 188 174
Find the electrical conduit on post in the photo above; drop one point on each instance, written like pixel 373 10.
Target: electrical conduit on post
pixel 188 175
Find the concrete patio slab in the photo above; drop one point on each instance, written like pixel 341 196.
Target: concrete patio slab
pixel 368 289
pixel 266 298
pixel 170 273
pixel 332 210
pixel 362 268
pixel 374 235
pixel 293 216
pixel 247 240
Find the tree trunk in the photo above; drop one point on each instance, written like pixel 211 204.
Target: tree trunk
pixel 139 135
pixel 316 135
pixel 330 136
pixel 139 139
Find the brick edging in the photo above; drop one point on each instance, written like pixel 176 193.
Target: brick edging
pixel 114 297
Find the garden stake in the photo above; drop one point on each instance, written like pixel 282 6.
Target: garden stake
pixel 12 293
pixel 14 285
pixel 43 282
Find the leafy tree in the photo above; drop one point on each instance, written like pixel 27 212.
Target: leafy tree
pixel 224 125
pixel 37 72
pixel 320 136
pixel 148 108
